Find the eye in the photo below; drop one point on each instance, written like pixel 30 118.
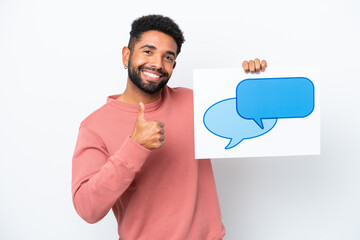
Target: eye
pixel 169 58
pixel 147 51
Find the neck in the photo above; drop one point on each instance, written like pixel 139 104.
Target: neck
pixel 134 95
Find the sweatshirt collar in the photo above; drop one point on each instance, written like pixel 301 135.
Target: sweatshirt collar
pixel 112 100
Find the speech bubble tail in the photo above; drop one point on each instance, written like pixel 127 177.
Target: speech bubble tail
pixel 259 123
pixel 233 142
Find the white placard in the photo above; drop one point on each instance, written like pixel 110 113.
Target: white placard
pixel 284 136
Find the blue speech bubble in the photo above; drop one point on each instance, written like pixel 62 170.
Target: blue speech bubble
pixel 269 98
pixel 222 120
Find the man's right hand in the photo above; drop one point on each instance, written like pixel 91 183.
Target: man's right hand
pixel 149 134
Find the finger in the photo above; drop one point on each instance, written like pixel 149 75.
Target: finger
pixel 158 144
pixel 257 65
pixel 251 66
pixel 141 116
pixel 161 124
pixel 263 65
pixel 157 137
pixel 245 65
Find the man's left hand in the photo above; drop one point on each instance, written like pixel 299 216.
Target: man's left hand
pixel 254 66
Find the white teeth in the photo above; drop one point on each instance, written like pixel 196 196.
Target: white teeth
pixel 151 75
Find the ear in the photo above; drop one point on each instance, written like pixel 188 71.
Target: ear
pixel 125 56
pixel 174 65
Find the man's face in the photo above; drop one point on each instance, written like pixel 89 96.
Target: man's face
pixel 152 61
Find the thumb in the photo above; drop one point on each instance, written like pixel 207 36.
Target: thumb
pixel 141 112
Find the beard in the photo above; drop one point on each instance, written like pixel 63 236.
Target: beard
pixel 148 87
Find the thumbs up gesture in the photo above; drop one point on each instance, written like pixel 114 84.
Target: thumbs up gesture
pixel 149 134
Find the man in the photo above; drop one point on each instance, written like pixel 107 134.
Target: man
pixel 135 154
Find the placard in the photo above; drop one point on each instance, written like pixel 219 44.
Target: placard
pixel 273 113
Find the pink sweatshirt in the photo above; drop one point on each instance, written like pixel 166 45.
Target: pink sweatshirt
pixel 163 194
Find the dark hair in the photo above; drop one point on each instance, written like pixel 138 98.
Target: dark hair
pixel 159 23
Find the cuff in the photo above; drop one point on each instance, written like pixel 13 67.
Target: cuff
pixel 132 154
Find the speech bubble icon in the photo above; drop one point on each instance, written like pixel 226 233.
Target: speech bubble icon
pixel 222 120
pixel 267 98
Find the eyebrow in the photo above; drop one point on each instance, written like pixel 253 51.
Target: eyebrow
pixel 153 47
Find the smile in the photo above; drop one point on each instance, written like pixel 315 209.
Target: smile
pixel 151 76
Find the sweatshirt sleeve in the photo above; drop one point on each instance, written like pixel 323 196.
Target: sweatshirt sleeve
pixel 98 180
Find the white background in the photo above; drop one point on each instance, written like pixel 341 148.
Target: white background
pixel 60 59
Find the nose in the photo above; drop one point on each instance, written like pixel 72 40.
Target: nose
pixel 156 62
